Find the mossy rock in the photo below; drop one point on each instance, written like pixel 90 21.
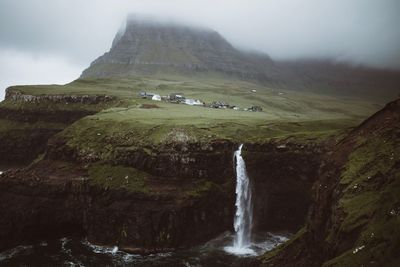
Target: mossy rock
pixel 118 177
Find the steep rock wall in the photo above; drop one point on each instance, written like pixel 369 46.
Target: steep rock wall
pixel 16 96
pixel 282 176
pixel 28 121
pixel 181 206
pixel 56 199
pixel 354 216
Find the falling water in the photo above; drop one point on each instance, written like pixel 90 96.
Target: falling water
pixel 244 210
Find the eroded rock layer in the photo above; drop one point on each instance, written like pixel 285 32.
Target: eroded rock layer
pixel 354 218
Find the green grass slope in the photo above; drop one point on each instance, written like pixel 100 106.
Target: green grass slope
pixel 285 113
pixel 355 218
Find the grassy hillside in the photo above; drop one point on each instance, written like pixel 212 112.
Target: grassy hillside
pixel 355 214
pixel 276 102
pixel 129 120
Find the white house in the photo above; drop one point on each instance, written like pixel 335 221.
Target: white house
pixel 193 102
pixel 156 97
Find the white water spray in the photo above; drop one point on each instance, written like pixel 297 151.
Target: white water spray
pixel 244 210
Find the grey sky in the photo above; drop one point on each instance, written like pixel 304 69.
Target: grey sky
pixel 44 41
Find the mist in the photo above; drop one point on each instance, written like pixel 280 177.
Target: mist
pixel 52 41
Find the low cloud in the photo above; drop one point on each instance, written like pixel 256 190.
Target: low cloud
pixel 359 31
pixel 21 68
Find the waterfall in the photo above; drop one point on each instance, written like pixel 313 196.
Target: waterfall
pixel 244 209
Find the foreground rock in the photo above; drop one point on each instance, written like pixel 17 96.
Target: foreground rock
pixel 354 218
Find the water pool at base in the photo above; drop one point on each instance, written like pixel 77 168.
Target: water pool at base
pixel 76 252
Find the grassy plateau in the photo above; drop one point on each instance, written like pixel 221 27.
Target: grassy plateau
pixel 133 121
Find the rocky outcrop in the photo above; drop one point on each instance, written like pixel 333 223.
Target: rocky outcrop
pixel 354 216
pixel 282 174
pixel 26 131
pixel 21 146
pixel 57 198
pixel 16 96
pixel 148 46
pixel 187 196
pixel 32 116
pixel 30 120
pixel 212 160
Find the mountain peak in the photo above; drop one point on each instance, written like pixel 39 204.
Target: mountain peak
pixel 149 45
pixel 159 22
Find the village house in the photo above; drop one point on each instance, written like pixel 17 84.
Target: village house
pixel 219 104
pixel 147 95
pixel 193 102
pixel 176 98
pixel 254 108
pixel 156 97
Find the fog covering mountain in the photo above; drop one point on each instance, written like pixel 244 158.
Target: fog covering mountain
pixel 151 47
pixel 148 46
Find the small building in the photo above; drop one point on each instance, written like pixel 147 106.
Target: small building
pixel 254 108
pixel 193 102
pixel 219 104
pixel 176 96
pixel 147 95
pixel 156 97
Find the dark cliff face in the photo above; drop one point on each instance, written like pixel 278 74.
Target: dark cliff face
pixel 182 198
pixel 354 218
pixel 282 175
pixel 147 47
pixel 28 121
pixel 54 199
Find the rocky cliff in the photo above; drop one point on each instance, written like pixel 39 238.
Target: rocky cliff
pixel 354 218
pixel 148 46
pixel 180 195
pixel 28 121
pixel 125 208
pixel 152 47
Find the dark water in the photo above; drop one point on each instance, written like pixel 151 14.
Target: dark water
pixel 75 252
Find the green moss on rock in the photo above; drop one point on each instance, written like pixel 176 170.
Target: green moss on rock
pixel 118 177
pixel 202 188
pixel 371 203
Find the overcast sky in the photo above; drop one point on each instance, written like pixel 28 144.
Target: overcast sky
pixel 52 41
